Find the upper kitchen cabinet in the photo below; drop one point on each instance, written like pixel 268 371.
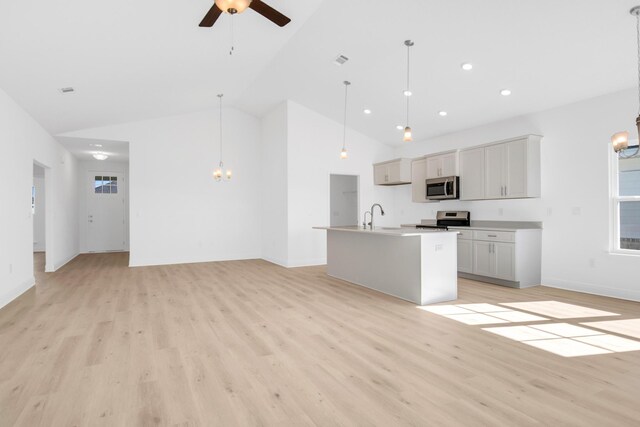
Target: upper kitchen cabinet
pixel 418 178
pixel 442 165
pixel 472 174
pixel 505 170
pixel 392 172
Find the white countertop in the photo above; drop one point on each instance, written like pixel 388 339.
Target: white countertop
pixel 388 231
pixel 489 225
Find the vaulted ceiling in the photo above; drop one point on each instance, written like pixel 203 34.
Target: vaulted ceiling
pixel 131 60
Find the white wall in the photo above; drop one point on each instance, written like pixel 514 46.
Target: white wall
pixel 344 200
pixel 178 213
pixel 39 213
pixel 23 141
pixel 273 186
pixel 575 191
pixel 86 169
pixel 314 143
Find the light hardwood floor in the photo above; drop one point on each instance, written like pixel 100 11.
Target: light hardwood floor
pixel 248 343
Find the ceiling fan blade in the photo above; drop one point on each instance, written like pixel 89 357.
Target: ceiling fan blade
pixel 270 13
pixel 211 17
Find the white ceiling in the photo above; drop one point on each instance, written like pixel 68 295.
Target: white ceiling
pixel 131 60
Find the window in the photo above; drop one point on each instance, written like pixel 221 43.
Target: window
pixel 626 202
pixel 105 185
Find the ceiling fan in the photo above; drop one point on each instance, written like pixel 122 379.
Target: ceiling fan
pixel 238 6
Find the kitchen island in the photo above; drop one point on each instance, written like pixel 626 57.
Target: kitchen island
pixel 416 265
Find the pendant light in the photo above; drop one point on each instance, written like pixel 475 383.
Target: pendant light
pixel 407 93
pixel 343 152
pixel 620 140
pixel 218 173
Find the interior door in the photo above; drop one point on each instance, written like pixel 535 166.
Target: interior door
pixel 105 212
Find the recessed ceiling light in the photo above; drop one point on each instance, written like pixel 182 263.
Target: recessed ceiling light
pixel 505 92
pixel 100 156
pixel 96 145
pixel 442 113
pixel 367 111
pixel 407 93
pixel 400 127
pixel 66 90
pixel 467 66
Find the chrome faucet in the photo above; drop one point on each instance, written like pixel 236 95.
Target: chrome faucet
pixel 364 222
pixel 381 212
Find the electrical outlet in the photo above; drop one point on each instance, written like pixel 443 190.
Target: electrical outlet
pixel 592 262
pixel 549 211
pixel 438 247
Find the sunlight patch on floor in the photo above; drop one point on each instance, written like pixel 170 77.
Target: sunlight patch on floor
pixel 563 339
pixel 481 314
pixel 630 327
pixel 558 310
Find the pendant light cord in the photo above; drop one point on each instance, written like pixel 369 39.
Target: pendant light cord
pixel 344 129
pixel 408 86
pixel 220 97
pixel 638 46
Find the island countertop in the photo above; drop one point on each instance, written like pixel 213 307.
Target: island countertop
pixel 389 231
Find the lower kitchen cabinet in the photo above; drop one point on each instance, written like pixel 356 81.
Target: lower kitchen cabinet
pixel 494 260
pixel 509 258
pixel 465 255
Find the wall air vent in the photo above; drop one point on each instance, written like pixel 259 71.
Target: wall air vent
pixel 67 90
pixel 340 60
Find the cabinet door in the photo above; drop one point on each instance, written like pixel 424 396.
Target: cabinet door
pixel 472 174
pixel 495 160
pixel 448 164
pixel 505 260
pixel 433 167
pixel 465 255
pixel 483 259
pixel 516 173
pixel 380 175
pixel 418 176
pixel 394 172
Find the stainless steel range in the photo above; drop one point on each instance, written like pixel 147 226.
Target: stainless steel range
pixel 446 219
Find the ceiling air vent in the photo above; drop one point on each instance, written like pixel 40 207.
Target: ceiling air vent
pixel 341 59
pixel 67 90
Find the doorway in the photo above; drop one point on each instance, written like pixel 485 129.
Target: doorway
pixel 38 215
pixel 106 225
pixel 344 200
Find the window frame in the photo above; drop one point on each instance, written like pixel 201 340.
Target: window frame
pixel 615 200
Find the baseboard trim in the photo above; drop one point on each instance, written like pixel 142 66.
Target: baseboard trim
pixel 589 288
pixel 17 291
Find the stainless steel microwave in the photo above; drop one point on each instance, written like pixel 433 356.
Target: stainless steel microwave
pixel 443 188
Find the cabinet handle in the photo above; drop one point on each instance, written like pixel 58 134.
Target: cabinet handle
pixel 492 235
pixel 505 190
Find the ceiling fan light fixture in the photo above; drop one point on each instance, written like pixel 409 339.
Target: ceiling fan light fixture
pixel 232 6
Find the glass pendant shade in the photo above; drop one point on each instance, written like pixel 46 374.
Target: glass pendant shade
pixel 407 135
pixel 620 141
pixel 344 154
pixel 228 173
pixel 238 5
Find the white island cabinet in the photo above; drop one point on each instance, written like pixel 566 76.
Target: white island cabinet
pixel 414 265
